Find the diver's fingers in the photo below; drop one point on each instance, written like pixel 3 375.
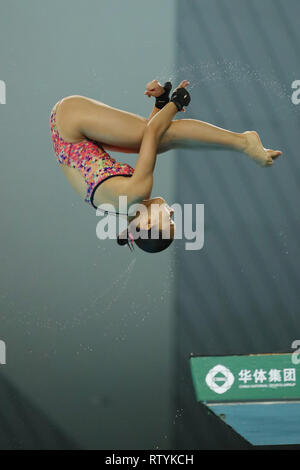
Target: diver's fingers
pixel 274 153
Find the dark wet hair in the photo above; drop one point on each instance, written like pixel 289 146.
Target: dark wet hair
pixel 124 239
pixel 150 245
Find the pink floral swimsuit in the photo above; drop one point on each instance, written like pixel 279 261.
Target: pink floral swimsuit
pixel 93 162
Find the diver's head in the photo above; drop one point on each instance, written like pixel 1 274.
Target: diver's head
pixel 152 228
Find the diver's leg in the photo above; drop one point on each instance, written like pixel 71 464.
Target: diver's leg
pixel 80 117
pixel 193 134
pixel 120 129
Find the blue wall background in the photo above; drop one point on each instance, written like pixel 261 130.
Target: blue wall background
pixel 240 294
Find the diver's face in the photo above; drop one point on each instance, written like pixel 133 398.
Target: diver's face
pixel 159 215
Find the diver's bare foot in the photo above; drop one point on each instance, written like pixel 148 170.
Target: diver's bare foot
pixel 255 150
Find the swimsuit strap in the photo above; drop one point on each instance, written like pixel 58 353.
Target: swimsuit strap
pixel 112 213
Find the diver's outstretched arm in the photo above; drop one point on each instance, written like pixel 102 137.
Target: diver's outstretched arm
pixel 156 127
pixel 139 186
pixel 141 182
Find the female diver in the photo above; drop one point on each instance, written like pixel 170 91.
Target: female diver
pixel 82 129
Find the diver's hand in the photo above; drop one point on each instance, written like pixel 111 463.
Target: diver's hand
pixel 182 84
pixel 154 88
